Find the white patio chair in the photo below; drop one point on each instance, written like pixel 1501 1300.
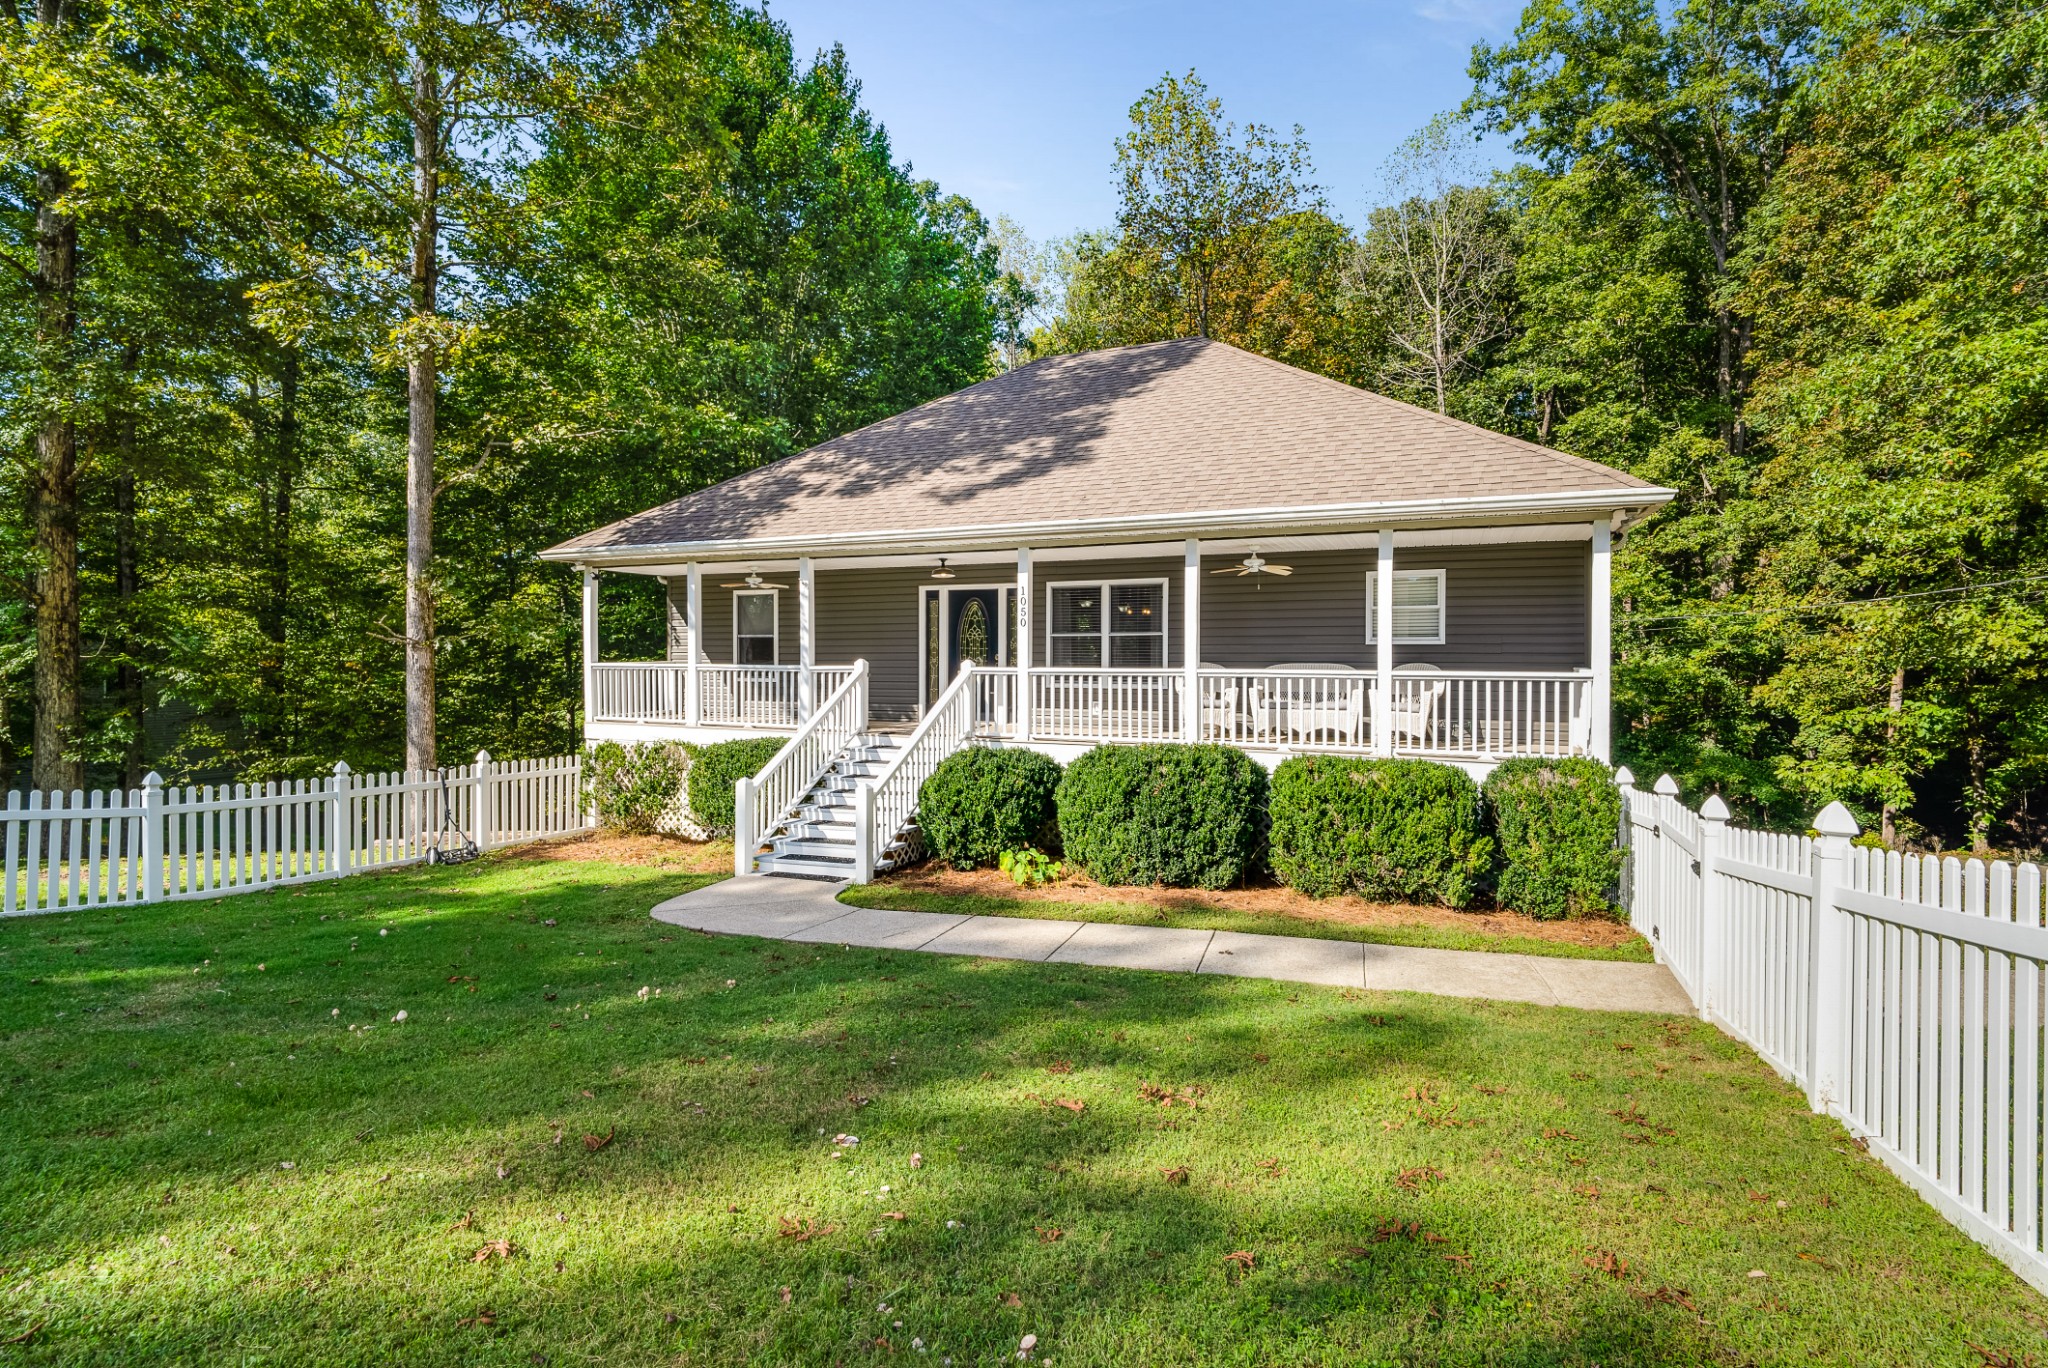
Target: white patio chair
pixel 1329 721
pixel 1413 712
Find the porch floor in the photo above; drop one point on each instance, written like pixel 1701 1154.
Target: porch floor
pixel 809 910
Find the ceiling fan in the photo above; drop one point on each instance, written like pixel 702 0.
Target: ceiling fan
pixel 1254 565
pixel 753 581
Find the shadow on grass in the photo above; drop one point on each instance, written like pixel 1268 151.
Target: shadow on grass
pixel 1409 1178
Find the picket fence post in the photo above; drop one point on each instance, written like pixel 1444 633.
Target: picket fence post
pixel 1827 1070
pixel 480 801
pixel 340 848
pixel 1625 838
pixel 863 831
pixel 152 836
pixel 742 827
pixel 1713 906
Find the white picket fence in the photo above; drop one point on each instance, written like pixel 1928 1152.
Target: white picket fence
pixel 1904 993
pixel 66 851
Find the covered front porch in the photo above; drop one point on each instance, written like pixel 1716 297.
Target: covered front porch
pixel 1499 645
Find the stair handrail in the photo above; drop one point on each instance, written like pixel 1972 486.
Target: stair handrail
pixel 883 804
pixel 769 798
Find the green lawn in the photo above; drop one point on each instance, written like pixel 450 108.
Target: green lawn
pixel 1433 936
pixel 222 1149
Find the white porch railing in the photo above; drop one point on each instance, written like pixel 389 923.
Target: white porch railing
pixel 639 691
pixel 885 804
pixel 1303 710
pixel 1485 715
pixel 763 696
pixel 764 802
pixel 995 702
pixel 1106 705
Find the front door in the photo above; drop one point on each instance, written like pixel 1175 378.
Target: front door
pixel 973 630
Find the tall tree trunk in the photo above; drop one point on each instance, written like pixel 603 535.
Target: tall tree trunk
pixel 128 583
pixel 422 377
pixel 274 615
pixel 59 645
pixel 1896 705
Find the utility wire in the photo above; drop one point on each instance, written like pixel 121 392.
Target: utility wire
pixel 1829 606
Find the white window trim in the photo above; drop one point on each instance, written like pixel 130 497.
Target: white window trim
pixel 1165 622
pixel 1372 604
pixel 737 595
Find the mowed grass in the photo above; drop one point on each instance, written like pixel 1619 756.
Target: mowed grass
pixel 210 1160
pixel 1435 936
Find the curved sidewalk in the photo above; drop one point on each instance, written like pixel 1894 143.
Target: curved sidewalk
pixel 809 910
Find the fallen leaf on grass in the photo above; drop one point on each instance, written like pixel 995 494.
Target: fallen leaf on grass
pixel 1623 1046
pixel 1608 1262
pixel 1557 1133
pixel 1670 1296
pixel 1166 1097
pixel 1049 1234
pixel 1241 1260
pixel 895 1216
pixel 1273 1167
pixel 1992 1358
pixel 1816 1259
pixel 1589 1191
pixel 1009 1299
pixel 594 1143
pixel 802 1230
pixel 494 1249
pixel 1178 1176
pixel 1060 1066
pixel 1461 1260
pixel 1411 1180
pixel 25 1336
pixel 784 1294
pixel 482 1317
pixel 464 1223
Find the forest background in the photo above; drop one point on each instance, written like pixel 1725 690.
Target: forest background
pixel 318 318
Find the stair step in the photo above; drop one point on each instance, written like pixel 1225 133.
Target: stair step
pixel 823 850
pixel 805 866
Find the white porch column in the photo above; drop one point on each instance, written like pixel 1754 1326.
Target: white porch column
pixel 1600 620
pixel 806 638
pixel 1191 640
pixel 589 647
pixel 693 634
pixel 1383 666
pixel 1020 649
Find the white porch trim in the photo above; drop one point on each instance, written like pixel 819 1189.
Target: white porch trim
pixel 1383 651
pixel 1600 619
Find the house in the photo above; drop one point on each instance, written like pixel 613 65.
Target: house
pixel 1177 541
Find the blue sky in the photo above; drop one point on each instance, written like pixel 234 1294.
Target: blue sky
pixel 1016 105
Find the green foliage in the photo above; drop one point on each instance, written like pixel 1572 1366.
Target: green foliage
pixel 1180 815
pixel 714 769
pixel 1555 823
pixel 983 801
pixel 1029 868
pixel 1398 830
pixel 633 787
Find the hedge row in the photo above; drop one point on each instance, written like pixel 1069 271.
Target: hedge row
pixel 1541 834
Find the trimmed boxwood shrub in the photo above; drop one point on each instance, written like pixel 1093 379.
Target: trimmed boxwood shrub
pixel 982 801
pixel 634 787
pixel 716 768
pixel 1555 822
pixel 1180 815
pixel 1390 830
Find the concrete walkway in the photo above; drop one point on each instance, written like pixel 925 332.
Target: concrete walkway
pixel 808 910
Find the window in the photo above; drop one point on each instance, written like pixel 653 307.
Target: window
pixel 1119 625
pixel 753 626
pixel 1418 607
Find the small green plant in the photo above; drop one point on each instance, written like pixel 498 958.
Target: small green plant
pixel 1029 868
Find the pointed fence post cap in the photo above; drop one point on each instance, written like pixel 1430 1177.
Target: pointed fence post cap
pixel 1714 810
pixel 1667 786
pixel 152 780
pixel 1624 776
pixel 341 767
pixel 483 757
pixel 1834 820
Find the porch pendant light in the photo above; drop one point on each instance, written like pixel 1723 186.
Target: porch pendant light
pixel 942 572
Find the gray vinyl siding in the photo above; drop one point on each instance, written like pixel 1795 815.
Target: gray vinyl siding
pixel 1044 574
pixel 872 615
pixel 1513 606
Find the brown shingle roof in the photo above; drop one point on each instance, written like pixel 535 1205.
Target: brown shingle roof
pixel 1191 426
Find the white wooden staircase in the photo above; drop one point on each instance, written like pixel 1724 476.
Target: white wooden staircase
pixel 819 839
